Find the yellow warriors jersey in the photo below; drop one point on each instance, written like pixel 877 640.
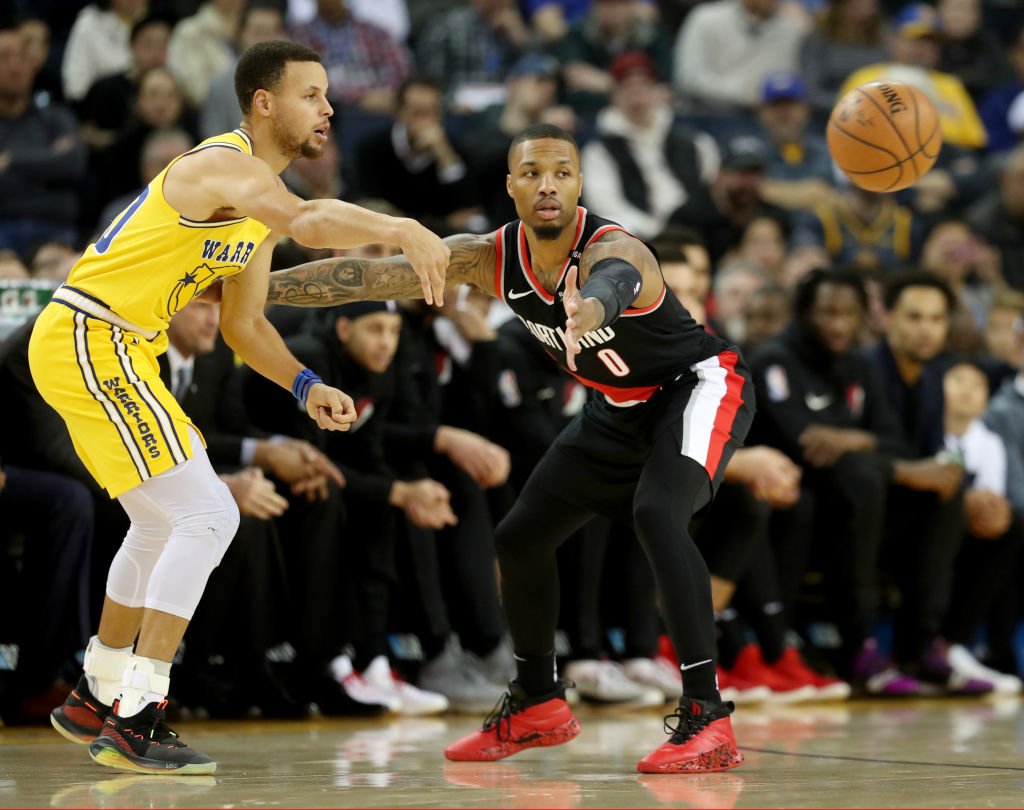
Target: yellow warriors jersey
pixel 151 261
pixel 93 352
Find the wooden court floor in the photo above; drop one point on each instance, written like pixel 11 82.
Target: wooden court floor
pixel 952 753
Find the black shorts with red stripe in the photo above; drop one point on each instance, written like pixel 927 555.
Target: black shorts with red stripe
pixel 705 413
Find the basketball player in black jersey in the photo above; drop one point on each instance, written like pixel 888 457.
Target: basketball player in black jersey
pixel 669 403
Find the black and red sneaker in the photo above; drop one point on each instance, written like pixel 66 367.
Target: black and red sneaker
pixel 80 718
pixel 519 722
pixel 144 743
pixel 701 741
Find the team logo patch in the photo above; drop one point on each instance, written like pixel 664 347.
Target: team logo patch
pixel 508 389
pixel 777 382
pixel 855 398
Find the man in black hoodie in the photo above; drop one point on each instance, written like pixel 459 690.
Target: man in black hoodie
pixel 822 403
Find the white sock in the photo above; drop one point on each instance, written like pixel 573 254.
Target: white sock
pixel 146 680
pixel 104 669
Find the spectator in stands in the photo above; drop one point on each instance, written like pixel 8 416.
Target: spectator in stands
pixel 998 218
pixel 914 58
pixel 726 47
pixel 107 107
pixel 863 229
pixel 469 50
pixel 799 171
pixel 54 515
pixel 98 44
pixel 768 309
pixel 641 163
pixel 201 47
pixel 971 268
pixel 160 148
pixel 365 66
pixel 722 210
pixel 823 404
pixel 414 166
pixel 11 267
pixel 35 31
pixel 531 98
pixel 763 243
pixel 1002 342
pixel 160 104
pixel 924 527
pixel 260 22
pixel 987 564
pixel 970 49
pixel 609 29
pixel 847 35
pixel 995 106
pixel 687 273
pixel 52 259
pixel 731 288
pixel 41 157
pixel 356 347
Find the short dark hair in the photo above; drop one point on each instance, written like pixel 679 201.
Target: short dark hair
pixel 807 289
pixel 262 66
pixel 670 244
pixel 415 81
pixel 144 23
pixel 536 132
pixel 917 278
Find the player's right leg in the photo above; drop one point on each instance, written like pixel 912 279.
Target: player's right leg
pixel 534 712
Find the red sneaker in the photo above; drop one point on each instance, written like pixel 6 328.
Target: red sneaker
pixel 80 718
pixel 791 663
pixel 734 688
pixel 750 666
pixel 519 722
pixel 701 741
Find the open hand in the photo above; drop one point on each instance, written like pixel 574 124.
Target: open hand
pixel 581 317
pixel 428 255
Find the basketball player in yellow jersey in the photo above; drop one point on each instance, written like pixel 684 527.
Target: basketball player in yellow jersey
pixel 213 213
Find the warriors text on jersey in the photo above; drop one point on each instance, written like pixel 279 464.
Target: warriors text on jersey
pixel 94 348
pixel 151 261
pixel 628 360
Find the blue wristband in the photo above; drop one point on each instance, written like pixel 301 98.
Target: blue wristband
pixel 304 380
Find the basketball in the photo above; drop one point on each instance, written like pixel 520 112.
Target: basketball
pixel 884 135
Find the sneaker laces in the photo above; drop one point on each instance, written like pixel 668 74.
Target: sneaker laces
pixel 160 732
pixel 688 725
pixel 501 715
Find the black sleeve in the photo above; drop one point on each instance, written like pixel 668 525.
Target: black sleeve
pixel 781 413
pixel 879 416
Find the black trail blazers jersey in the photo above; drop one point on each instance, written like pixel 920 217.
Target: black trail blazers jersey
pixel 627 361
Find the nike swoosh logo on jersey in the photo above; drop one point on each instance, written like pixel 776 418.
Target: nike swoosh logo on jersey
pixel 519 295
pixel 818 402
pixel 685 667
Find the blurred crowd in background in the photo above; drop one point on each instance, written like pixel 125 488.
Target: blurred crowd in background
pixel 867 538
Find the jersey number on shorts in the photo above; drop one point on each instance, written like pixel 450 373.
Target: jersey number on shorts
pixel 103 243
pixel 613 360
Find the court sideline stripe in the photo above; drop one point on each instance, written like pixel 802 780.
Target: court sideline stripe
pixel 883 761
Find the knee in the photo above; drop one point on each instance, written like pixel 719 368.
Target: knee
pixel 861 478
pixel 214 526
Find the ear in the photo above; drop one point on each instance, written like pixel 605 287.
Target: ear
pixel 343 329
pixel 508 185
pixel 262 103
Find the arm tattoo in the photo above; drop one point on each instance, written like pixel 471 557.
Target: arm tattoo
pixel 339 280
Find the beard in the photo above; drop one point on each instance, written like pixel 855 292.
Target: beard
pixel 548 233
pixel 291 146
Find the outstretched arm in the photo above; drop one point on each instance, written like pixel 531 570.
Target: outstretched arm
pixel 338 280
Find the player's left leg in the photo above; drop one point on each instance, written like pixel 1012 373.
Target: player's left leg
pixel 698 429
pixel 203 518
